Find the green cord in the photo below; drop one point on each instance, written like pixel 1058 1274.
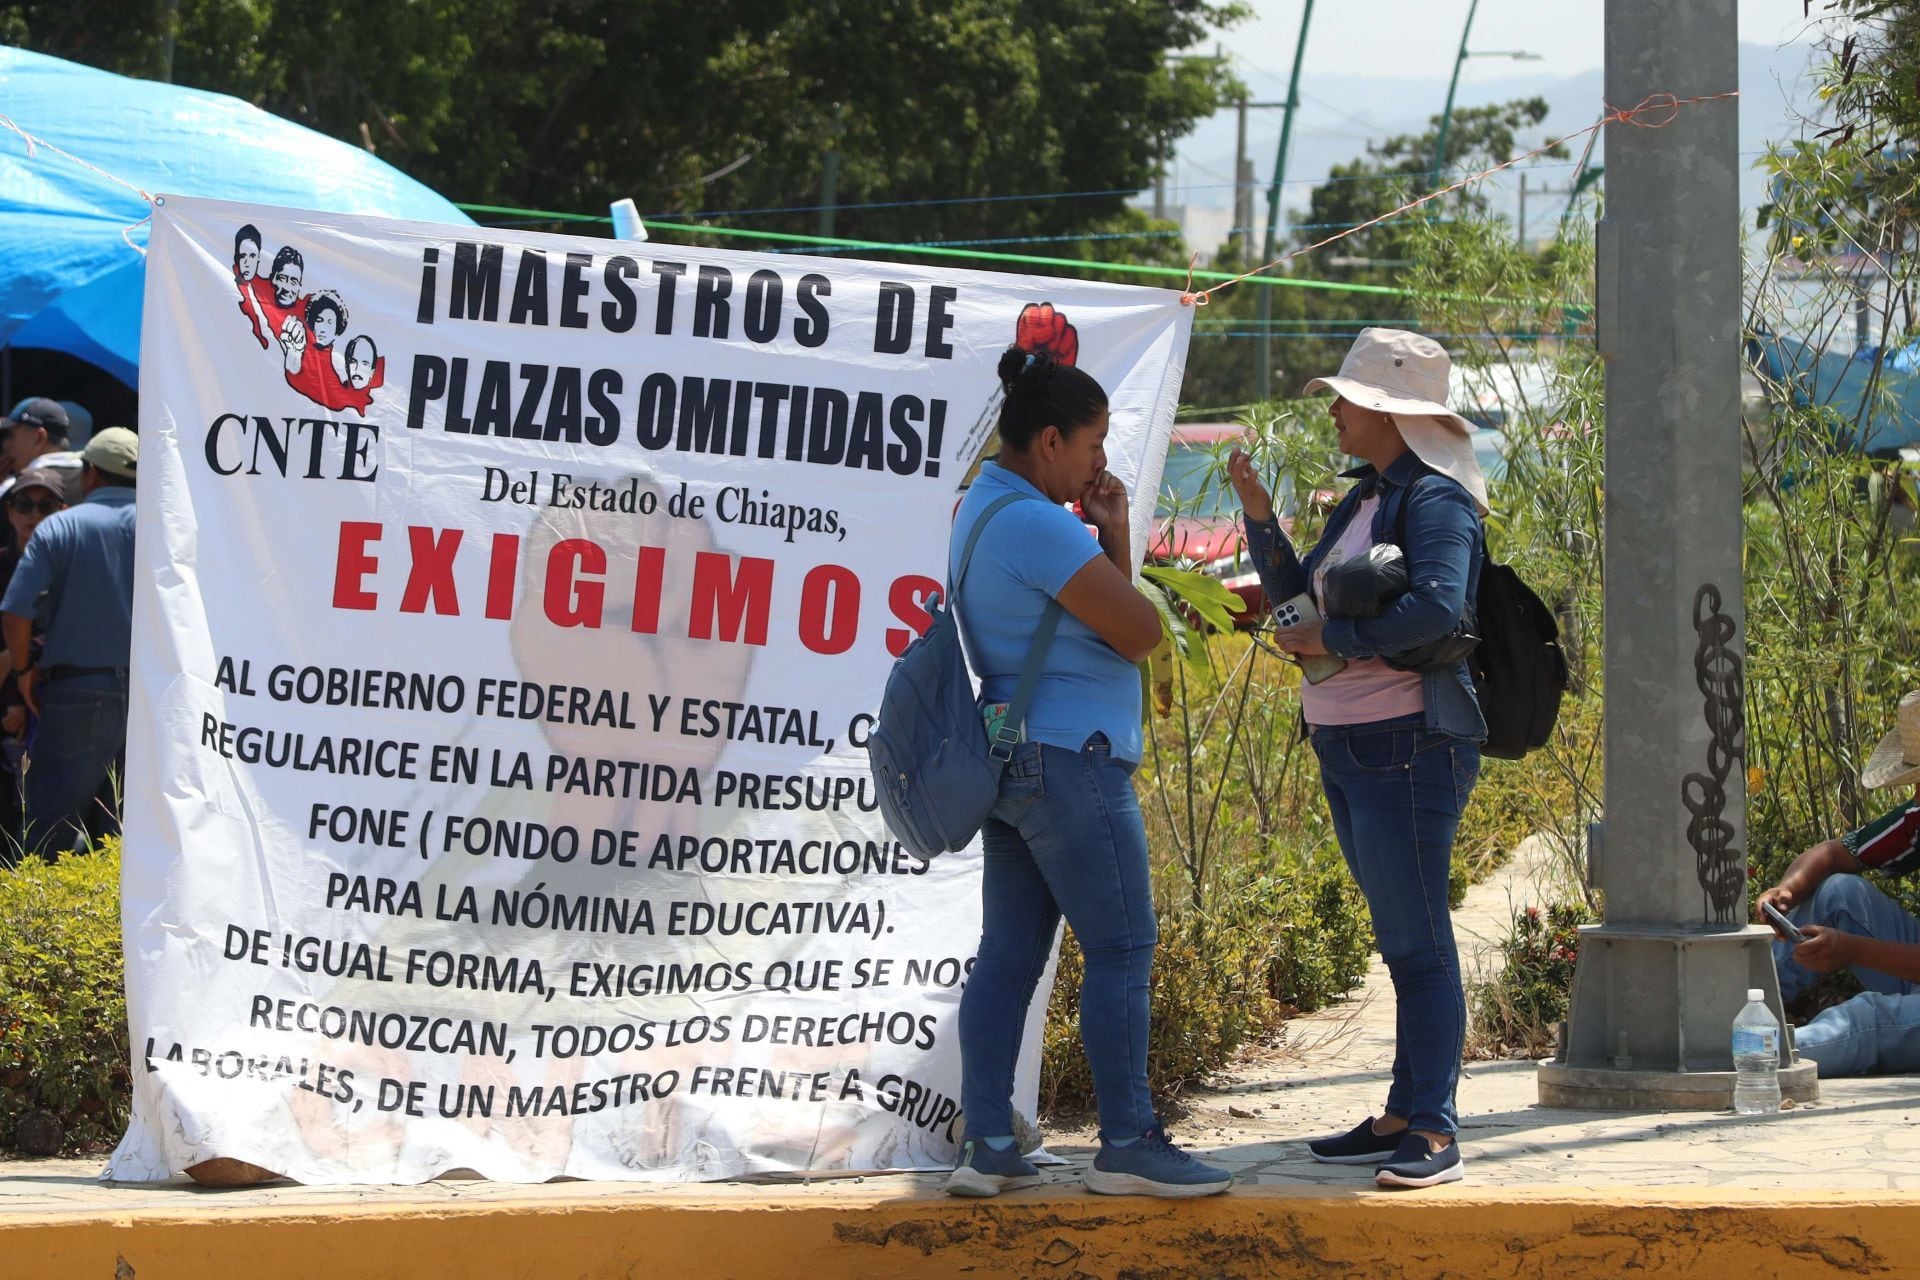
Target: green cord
pixel 936 251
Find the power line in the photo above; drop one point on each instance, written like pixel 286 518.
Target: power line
pixel 1022 259
pixel 942 251
pixel 1348 333
pixel 938 202
pixel 1318 101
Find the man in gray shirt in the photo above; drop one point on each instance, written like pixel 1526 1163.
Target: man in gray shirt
pixel 81 561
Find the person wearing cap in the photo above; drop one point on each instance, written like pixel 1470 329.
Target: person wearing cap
pixel 1850 924
pixel 37 493
pixel 81 561
pixel 35 428
pixel 1398 749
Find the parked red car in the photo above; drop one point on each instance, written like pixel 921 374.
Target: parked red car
pixel 1198 522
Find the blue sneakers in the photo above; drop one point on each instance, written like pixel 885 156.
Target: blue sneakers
pixel 1415 1164
pixel 1359 1145
pixel 985 1172
pixel 1153 1166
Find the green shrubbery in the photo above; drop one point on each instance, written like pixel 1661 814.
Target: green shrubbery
pixel 1276 945
pixel 1516 798
pixel 1514 1015
pixel 63 1010
pixel 1258 917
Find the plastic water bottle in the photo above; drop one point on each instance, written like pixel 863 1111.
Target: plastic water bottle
pixel 1756 1058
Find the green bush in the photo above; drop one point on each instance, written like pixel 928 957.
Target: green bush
pixel 1273 946
pixel 1514 1015
pixel 63 1008
pixel 1516 798
pixel 1321 939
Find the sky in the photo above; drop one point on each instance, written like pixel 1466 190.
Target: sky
pixel 1374 68
pixel 1418 38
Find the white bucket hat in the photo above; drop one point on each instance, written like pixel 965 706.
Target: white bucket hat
pixel 1897 758
pixel 1405 374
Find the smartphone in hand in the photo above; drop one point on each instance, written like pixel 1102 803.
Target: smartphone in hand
pixel 1781 925
pixel 1317 666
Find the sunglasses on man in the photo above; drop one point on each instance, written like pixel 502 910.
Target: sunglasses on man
pixel 25 504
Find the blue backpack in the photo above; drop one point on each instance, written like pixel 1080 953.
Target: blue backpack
pixel 934 771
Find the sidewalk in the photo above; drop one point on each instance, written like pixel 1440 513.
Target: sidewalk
pixel 1829 1189
pixel 1335 1064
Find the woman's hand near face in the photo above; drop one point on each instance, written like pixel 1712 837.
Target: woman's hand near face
pixel 1104 502
pixel 1254 498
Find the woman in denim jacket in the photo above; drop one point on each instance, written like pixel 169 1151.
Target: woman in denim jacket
pixel 1399 750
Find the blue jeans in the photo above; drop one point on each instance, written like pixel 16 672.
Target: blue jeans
pixel 74 763
pixel 1878 1030
pixel 1065 837
pixel 1397 792
pixel 1851 904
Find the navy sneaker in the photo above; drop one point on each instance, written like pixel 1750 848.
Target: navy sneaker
pixel 985 1172
pixel 1416 1164
pixel 1153 1166
pixel 1358 1145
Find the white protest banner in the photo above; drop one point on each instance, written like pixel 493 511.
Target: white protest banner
pixel 511 610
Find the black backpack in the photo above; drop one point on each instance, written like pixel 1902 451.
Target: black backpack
pixel 1519 669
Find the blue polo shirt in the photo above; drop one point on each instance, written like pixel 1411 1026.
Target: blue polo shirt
pixel 82 560
pixel 1025 557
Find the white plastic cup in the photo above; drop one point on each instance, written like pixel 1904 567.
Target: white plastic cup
pixel 626 221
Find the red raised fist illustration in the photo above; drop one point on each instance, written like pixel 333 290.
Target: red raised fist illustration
pixel 1041 328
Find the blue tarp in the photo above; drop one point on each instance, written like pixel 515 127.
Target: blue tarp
pixel 69 279
pixel 1869 416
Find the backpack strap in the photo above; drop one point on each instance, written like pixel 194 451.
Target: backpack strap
pixel 973 540
pixel 1400 523
pixel 1013 729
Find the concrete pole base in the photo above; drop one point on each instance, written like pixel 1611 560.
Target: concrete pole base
pixel 1660 1000
pixel 1612 1089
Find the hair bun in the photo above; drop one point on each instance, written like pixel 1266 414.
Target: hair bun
pixel 1041 392
pixel 1022 371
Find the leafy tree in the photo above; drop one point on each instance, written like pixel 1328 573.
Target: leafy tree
pixel 1391 173
pixel 1831 575
pixel 690 106
pixel 1847 194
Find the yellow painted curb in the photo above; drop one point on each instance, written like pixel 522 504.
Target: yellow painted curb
pixel 1269 1232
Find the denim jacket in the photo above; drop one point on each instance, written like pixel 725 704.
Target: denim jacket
pixel 1444 538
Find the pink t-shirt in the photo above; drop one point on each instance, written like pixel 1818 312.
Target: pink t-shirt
pixel 1369 689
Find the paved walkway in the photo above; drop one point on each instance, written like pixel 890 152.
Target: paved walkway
pixel 1330 1071
pixel 1333 1069
pixel 1826 1190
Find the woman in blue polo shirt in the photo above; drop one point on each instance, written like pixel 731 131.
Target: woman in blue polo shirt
pixel 1066 836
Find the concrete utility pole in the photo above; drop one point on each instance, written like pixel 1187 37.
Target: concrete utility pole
pixel 169 32
pixel 830 174
pixel 1243 180
pixel 1160 179
pixel 1242 190
pixel 1658 984
pixel 1527 192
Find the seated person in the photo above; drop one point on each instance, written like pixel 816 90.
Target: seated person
pixel 1851 924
